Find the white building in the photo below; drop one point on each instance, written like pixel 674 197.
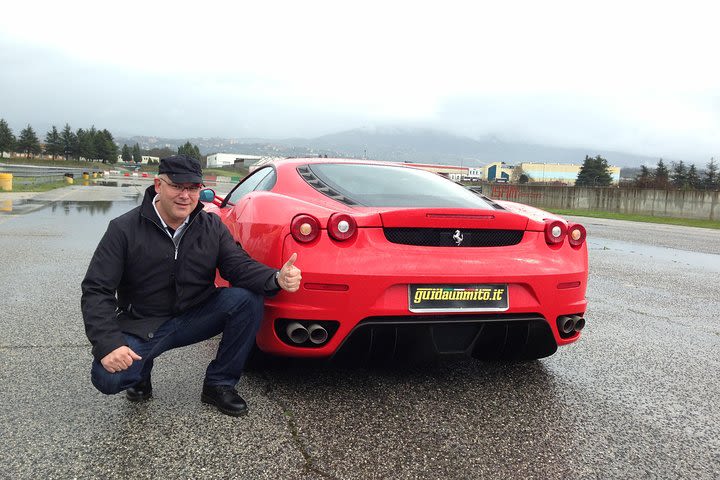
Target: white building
pixel 453 172
pixel 475 173
pixel 262 162
pixel 223 159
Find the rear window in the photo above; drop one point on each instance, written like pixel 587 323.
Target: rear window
pixel 389 186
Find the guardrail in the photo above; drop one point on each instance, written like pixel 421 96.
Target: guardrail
pixel 29 174
pixel 31 170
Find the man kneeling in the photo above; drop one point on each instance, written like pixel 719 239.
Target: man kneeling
pixel 150 288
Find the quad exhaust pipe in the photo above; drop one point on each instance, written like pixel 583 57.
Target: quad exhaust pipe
pixel 568 324
pixel 318 334
pixel 298 333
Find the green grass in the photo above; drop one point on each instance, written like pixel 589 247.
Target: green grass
pixel 686 222
pixel 37 187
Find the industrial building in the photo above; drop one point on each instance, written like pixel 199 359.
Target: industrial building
pixel 557 172
pixel 539 172
pixel 453 172
pixel 497 172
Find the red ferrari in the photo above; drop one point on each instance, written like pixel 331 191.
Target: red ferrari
pixel 400 262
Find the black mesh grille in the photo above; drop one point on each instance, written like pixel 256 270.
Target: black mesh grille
pixel 448 237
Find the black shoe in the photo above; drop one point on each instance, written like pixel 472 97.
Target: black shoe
pixel 225 398
pixel 140 391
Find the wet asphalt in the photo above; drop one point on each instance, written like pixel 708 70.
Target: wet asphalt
pixel 638 396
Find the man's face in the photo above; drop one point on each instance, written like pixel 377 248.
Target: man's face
pixel 176 201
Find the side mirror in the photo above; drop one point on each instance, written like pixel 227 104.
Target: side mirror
pixel 207 195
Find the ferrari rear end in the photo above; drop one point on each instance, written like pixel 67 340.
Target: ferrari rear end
pixel 384 280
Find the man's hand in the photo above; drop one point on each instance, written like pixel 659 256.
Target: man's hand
pixel 119 359
pixel 289 278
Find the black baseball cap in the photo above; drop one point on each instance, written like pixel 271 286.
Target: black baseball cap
pixel 181 169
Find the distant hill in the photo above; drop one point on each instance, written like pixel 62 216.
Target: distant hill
pixel 422 145
pixel 400 144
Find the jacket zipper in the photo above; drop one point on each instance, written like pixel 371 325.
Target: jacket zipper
pixel 177 247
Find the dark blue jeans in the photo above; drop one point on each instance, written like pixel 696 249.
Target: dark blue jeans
pixel 234 312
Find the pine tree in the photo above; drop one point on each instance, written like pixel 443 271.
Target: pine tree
pixel 28 142
pixel 661 175
pixel 69 142
pixel 53 143
pixel 693 179
pixel 106 147
pixel 136 153
pixel 594 172
pixel 126 155
pixel 94 143
pixel 710 178
pixel 644 178
pixel 7 139
pixel 679 175
pixel 86 143
pixel 190 150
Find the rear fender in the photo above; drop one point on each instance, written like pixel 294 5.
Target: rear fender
pixel 536 217
pixel 264 219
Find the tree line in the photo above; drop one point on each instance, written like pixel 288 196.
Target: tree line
pixel 90 144
pixel 679 176
pixel 595 172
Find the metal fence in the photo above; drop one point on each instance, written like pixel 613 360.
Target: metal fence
pixel 28 174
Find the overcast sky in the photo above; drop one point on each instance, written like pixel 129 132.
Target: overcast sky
pixel 640 77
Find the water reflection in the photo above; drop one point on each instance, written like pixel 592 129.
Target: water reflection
pixel 90 207
pixel 67 224
pixel 115 183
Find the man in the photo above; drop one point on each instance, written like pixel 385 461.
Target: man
pixel 150 288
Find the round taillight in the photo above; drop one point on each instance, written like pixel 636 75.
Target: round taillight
pixel 555 231
pixel 576 234
pixel 305 228
pixel 341 226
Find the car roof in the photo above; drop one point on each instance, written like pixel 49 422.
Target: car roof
pixel 296 161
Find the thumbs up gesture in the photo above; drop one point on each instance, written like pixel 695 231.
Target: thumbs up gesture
pixel 289 278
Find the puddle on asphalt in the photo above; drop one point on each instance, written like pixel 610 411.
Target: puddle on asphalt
pixel 706 261
pixel 27 206
pixel 65 223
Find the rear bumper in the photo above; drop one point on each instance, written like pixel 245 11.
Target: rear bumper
pixel 372 281
pixel 505 337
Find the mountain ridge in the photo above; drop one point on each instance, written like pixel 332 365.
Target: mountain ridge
pixel 401 144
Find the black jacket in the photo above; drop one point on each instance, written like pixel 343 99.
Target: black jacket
pixel 137 260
